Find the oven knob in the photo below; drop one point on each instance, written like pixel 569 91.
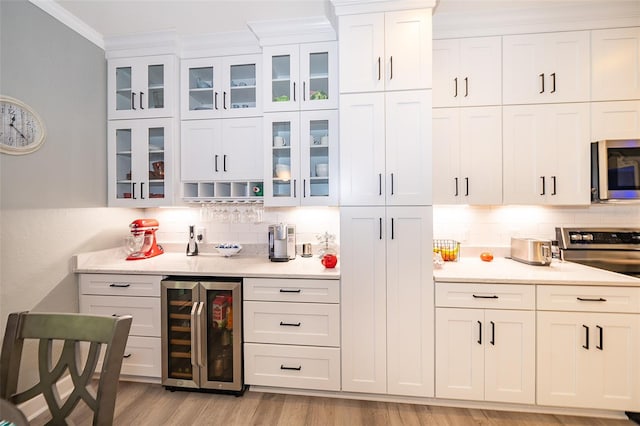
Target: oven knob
pixel 587 237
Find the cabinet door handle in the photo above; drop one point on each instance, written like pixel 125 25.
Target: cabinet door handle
pixel 553 180
pixel 304 91
pixel 586 299
pixel 543 189
pixel 304 188
pixel 142 190
pixel 493 333
pixel 479 332
pixel 379 69
pixel 479 296
pixel 224 163
pixel 141 101
pixel 287 290
pixel 542 82
pixel 215 163
pixel 295 192
pixel 133 100
pixel 224 100
pixel 600 332
pixel 455 87
pixel 391 183
pixel 392 229
pixel 379 183
pixel 553 82
pixel 294 91
pixel 466 87
pixel 466 184
pixel 201 334
pixel 133 190
pixel 290 324
pixel 456 179
pixel 120 285
pixel 215 100
pixel 298 368
pixel 390 67
pixel 380 221
pixel 586 337
pixel 126 356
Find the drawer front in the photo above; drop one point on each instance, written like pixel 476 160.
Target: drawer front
pixel 291 290
pixel 314 324
pixel 292 366
pixel 144 310
pixel 491 296
pixel 120 285
pixel 589 298
pixel 143 357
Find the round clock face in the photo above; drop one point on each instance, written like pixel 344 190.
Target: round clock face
pixel 21 129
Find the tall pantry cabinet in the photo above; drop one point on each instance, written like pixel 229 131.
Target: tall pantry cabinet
pixel 385 197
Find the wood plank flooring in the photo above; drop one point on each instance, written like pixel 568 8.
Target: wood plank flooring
pixel 148 404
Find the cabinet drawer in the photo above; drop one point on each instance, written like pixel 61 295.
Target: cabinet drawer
pixel 292 366
pixel 144 310
pixel 588 298
pixel 143 357
pixel 492 296
pixel 291 290
pixel 120 285
pixel 314 324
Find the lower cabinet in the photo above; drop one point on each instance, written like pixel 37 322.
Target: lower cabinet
pixel 588 352
pixel 135 295
pixel 485 354
pixel 292 333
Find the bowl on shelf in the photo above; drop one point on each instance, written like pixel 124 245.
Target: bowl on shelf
pixel 283 171
pixel 228 249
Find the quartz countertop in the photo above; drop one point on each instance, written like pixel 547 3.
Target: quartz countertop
pixel 113 261
pixel 503 271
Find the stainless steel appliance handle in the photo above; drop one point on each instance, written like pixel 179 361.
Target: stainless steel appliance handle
pixel 202 329
pixel 194 334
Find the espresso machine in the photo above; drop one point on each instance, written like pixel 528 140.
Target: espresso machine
pixel 145 228
pixel 282 242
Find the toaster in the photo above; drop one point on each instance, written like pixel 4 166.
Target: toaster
pixel 531 251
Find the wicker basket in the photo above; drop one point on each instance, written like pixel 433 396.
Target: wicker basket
pixel 449 249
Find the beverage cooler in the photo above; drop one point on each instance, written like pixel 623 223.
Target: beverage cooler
pixel 202 334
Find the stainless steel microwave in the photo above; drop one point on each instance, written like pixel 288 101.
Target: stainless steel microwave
pixel 615 170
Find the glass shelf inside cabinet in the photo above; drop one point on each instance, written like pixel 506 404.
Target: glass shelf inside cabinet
pixel 319 158
pixel 318 76
pixel 281 78
pixel 201 90
pixel 281 158
pixel 156 86
pixel 123 88
pixel 243 86
pixel 156 162
pixel 220 336
pixel 123 163
pixel 179 333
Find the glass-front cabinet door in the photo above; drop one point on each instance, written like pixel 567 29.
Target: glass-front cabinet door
pixel 139 166
pixel 301 77
pixel 319 157
pixel 201 88
pixel 282 152
pixel 142 87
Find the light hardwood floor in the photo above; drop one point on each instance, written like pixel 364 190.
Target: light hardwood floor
pixel 146 404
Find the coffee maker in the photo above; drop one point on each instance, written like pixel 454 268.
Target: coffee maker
pixel 282 242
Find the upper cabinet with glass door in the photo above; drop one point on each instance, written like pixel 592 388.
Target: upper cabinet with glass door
pixel 303 76
pixel 142 87
pixel 221 87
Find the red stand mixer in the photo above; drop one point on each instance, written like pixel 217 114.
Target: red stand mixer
pixel 146 228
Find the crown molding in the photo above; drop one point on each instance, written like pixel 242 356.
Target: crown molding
pixel 350 7
pixel 65 17
pixel 290 31
pixel 144 44
pixel 219 44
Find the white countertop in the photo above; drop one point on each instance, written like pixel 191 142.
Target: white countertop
pixel 205 264
pixel 503 271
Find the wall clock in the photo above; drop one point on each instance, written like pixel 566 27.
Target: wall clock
pixel 22 131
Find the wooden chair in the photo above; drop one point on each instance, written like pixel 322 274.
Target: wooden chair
pixel 70 330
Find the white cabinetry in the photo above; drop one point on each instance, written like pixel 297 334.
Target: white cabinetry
pixel 135 295
pixel 140 166
pixel 588 347
pixel 292 333
pixel 385 51
pixel 619 47
pixel 545 68
pixel 221 87
pixel 302 158
pixel 615 120
pixel 485 342
pixel 142 87
pixel 386 154
pixel 467 148
pixel 387 300
pixel 467 72
pixel 546 154
pixel 301 76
